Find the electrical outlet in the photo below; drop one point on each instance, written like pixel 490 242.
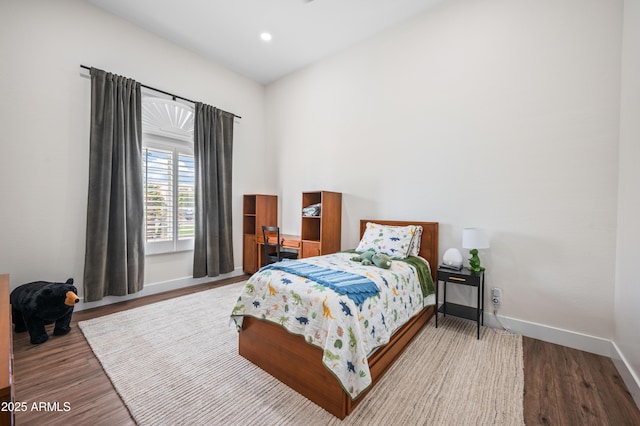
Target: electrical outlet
pixel 496 296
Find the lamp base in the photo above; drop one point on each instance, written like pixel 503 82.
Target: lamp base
pixel 474 261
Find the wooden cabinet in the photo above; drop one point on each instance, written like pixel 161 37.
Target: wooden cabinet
pixel 6 352
pixel 257 210
pixel 310 249
pixel 322 233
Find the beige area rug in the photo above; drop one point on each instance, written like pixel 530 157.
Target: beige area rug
pixel 176 362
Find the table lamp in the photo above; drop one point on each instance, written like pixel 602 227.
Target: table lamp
pixel 474 239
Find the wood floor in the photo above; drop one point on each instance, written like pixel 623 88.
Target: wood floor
pixel 562 386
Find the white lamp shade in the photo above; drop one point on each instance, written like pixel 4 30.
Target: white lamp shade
pixel 474 238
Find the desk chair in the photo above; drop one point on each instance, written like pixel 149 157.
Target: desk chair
pixel 272 250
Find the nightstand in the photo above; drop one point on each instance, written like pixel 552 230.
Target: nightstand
pixel 462 277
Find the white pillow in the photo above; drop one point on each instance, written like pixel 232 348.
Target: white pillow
pixel 394 241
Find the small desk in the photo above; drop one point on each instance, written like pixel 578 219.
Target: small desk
pixel 463 277
pixel 286 241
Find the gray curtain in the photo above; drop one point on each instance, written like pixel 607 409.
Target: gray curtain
pixel 212 151
pixel 114 259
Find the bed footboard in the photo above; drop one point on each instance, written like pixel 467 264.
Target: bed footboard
pixel 299 365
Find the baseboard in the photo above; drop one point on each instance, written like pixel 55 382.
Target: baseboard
pixel 571 339
pixel 626 372
pixel 155 288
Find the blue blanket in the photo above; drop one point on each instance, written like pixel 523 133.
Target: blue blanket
pixel 355 287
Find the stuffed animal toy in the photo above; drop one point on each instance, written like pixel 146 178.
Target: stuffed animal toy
pixel 370 257
pixel 381 260
pixel 364 257
pixel 39 303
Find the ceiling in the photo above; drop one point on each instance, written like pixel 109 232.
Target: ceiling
pixel 228 31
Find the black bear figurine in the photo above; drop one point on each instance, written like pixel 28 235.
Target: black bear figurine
pixel 36 304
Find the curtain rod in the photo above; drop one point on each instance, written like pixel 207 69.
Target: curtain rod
pixel 161 91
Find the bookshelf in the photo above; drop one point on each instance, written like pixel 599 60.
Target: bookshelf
pixel 321 234
pixel 257 210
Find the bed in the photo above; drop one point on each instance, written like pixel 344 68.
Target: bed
pixel 326 363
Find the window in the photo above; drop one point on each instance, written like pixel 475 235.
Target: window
pixel 168 175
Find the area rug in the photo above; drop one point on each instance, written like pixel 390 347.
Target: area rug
pixel 176 362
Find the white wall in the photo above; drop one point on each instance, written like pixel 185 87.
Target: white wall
pixel 627 290
pixel 486 113
pixel 45 129
pixel 489 113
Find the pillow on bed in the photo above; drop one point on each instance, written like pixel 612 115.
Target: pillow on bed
pixel 414 248
pixel 394 241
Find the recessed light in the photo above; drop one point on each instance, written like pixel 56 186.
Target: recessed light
pixel 265 36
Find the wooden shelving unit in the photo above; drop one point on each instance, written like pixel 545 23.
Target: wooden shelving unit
pixel 322 234
pixel 257 210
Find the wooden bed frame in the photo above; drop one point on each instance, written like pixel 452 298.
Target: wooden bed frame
pixel 293 361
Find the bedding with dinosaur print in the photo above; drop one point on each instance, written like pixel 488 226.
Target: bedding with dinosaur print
pixel 347 331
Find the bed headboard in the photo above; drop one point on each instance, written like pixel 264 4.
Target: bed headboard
pixel 428 243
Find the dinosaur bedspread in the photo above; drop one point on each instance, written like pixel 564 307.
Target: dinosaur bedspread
pixel 347 332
